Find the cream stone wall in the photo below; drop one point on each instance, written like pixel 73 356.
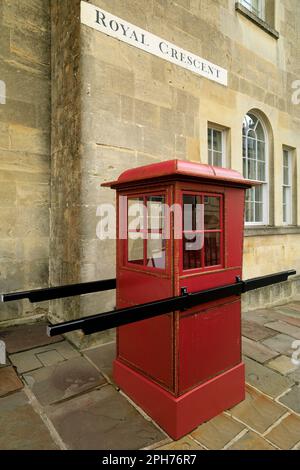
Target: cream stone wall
pixel 24 153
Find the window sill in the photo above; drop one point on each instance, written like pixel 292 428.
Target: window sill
pixel 256 20
pixel 268 230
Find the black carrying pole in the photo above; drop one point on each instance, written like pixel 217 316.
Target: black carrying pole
pixel 115 318
pixel 50 293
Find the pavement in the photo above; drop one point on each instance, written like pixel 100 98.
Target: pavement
pixel 53 396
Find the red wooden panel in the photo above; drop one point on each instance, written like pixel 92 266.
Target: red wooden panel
pixel 148 347
pixel 209 343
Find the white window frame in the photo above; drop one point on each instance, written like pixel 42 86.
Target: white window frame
pixel 288 187
pixel 265 184
pixel 260 13
pixel 211 128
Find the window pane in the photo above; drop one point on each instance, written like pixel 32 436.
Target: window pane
pixel 217 140
pixel 211 212
pixel 258 193
pixel 212 249
pixel 286 176
pixel 251 148
pixel 249 212
pixel 135 249
pixel 218 159
pixel 192 244
pixel 260 132
pixel 252 169
pixel 210 157
pixel 135 214
pixel 191 212
pixel 258 212
pixel 156 251
pixel 261 174
pixel 209 138
pixel 261 151
pixel 155 212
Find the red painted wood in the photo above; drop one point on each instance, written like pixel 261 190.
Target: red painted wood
pixel 185 367
pixel 179 416
pixel 179 168
pixel 209 342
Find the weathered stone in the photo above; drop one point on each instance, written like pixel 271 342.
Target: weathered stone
pixel 287 433
pixel 281 343
pixel 9 381
pixel 257 351
pixel 186 443
pixel 257 411
pixel 265 379
pixel 108 421
pixel 47 355
pixel 251 441
pixel 255 331
pixel 63 380
pixel 24 429
pixel 217 432
pixel 292 399
pixel 282 364
pixel 103 358
pixel 285 328
pixel 23 337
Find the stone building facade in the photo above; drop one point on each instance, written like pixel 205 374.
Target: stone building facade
pixel 113 106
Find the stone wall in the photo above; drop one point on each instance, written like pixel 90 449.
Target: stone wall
pixel 24 152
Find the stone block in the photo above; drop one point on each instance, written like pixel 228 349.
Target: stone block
pixel 186 443
pixel 257 411
pixel 292 399
pixel 103 358
pixel 217 432
pixel 257 351
pixel 266 380
pixel 24 337
pixel 109 422
pixel 251 441
pixel 282 364
pixel 63 380
pixel 24 428
pixel 285 328
pixel 9 381
pixel 255 331
pixel 281 343
pixel 287 433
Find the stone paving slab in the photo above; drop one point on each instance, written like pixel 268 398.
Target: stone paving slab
pixel 36 358
pixel 265 379
pixel 257 351
pixel 262 316
pixel 103 419
pixel 217 432
pixel 292 399
pixel 24 337
pixel 63 380
pixel 281 343
pixel 285 328
pixel 9 381
pixel 186 443
pixel 255 331
pixel 103 358
pixel 251 441
pixel 282 364
pixel 21 427
pixel 287 433
pixel 257 411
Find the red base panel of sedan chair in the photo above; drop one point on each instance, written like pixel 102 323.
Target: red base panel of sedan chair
pixel 185 367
